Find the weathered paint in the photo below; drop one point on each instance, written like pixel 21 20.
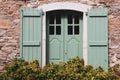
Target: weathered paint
pixel 31 33
pixel 98 38
pixel 65 46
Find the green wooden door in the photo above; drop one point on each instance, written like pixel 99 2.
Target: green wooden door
pixel 55 38
pixel 31 23
pixel 73 35
pixel 98 38
pixel 64 34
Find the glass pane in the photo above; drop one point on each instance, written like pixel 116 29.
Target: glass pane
pixel 76 30
pixel 51 30
pixel 70 30
pixel 51 20
pixel 58 19
pixel 76 19
pixel 69 19
pixel 58 30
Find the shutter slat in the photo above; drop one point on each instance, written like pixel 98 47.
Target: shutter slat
pixel 98 12
pixel 37 43
pixel 27 12
pixel 98 43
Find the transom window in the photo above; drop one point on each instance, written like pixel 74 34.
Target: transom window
pixel 73 24
pixel 55 24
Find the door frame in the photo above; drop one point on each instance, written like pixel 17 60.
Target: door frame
pixel 64 6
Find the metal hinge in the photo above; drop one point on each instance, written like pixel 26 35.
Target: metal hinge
pixel 86 13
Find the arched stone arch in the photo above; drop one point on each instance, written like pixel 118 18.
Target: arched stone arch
pixel 64 6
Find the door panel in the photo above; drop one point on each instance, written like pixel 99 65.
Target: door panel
pixel 55 49
pixel 64 35
pixel 54 38
pixel 73 36
pixel 72 48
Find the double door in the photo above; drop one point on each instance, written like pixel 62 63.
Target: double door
pixel 64 35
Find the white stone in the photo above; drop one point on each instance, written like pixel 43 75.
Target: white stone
pixel 118 56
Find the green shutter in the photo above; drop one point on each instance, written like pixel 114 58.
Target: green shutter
pixel 98 38
pixel 30 42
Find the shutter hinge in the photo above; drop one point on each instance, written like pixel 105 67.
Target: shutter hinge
pixel 86 13
pixel 42 13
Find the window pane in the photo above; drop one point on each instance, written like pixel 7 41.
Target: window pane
pixel 76 30
pixel 70 30
pixel 58 30
pixel 51 20
pixel 58 19
pixel 51 30
pixel 69 19
pixel 76 19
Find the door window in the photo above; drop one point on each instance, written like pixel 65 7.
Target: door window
pixel 70 30
pixel 73 24
pixel 55 24
pixel 51 30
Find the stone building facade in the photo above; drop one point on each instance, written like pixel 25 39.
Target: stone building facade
pixel 10 26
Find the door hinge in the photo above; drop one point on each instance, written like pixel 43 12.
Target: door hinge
pixel 86 13
pixel 42 13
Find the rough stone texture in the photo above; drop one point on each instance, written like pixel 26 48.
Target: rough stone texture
pixel 10 26
pixel 9 30
pixel 114 32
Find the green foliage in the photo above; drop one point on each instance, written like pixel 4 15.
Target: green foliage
pixel 74 69
pixel 21 70
pixel 115 70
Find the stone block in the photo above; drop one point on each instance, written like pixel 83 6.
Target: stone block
pixel 12 41
pixel 5 23
pixel 11 44
pixel 1 68
pixel 118 56
pixel 16 21
pixel 3 58
pixel 2 32
pixel 7 50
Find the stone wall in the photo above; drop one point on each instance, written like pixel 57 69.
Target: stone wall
pixel 9 31
pixel 10 26
pixel 114 33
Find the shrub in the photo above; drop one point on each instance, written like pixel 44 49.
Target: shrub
pixel 22 70
pixel 73 69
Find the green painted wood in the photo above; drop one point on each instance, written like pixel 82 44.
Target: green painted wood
pixel 98 38
pixel 54 41
pixel 28 43
pixel 98 43
pixel 64 46
pixel 73 42
pixel 31 24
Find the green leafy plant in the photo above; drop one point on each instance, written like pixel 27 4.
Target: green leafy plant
pixel 74 69
pixel 22 70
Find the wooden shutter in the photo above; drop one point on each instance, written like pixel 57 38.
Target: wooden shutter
pixel 98 37
pixel 30 42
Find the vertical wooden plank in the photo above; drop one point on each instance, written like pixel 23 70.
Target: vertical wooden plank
pixel 98 38
pixel 21 33
pixel 31 34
